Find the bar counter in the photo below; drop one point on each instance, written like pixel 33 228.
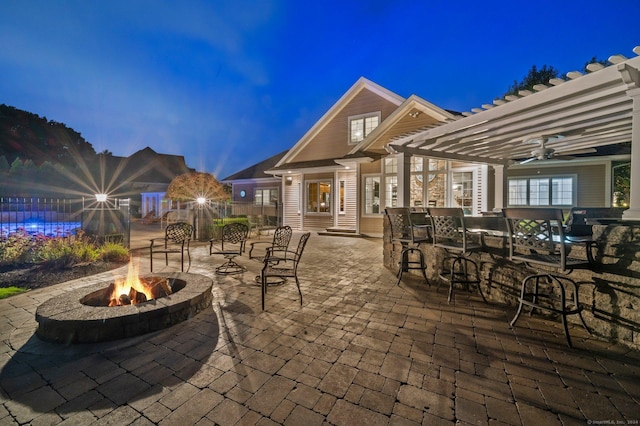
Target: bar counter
pixel 609 291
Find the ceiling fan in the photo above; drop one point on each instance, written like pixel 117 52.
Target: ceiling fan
pixel 542 152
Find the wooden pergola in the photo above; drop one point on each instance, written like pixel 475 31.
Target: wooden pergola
pixel 599 108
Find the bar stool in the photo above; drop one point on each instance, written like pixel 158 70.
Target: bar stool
pixel 409 236
pixel 450 233
pixel 537 239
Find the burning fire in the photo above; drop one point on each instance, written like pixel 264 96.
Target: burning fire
pixel 135 289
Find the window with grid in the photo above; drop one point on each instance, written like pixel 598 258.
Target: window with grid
pixel 361 126
pixel 372 195
pixel 265 196
pixel 542 191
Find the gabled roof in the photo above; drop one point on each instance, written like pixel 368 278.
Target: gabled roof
pixel 360 85
pixel 257 171
pixel 413 116
pixel 147 166
pixel 586 111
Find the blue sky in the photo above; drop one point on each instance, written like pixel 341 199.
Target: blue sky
pixel 230 83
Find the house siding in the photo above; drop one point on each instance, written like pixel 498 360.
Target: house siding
pixel 349 218
pixel 371 225
pixel 333 140
pixel 591 180
pixel 291 214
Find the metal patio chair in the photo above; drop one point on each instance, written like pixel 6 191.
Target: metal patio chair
pixel 176 240
pixel 282 264
pixel 450 233
pixel 536 238
pixel 281 238
pixel 231 245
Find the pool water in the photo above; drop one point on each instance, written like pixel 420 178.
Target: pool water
pixel 50 229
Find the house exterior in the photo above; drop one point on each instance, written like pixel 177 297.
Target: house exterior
pixel 146 176
pixel 336 177
pixel 255 192
pixel 374 149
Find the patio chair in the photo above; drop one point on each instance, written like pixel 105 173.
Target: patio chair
pixel 176 240
pixel 450 233
pixel 281 238
pixel 409 235
pixel 231 245
pixel 536 238
pixel 283 264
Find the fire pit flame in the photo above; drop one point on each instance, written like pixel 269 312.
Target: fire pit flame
pixel 135 289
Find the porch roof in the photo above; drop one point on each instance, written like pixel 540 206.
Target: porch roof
pixel 572 116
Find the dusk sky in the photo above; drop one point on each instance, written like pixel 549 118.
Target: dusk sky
pixel 230 83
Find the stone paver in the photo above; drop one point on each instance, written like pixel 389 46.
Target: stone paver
pixel 360 351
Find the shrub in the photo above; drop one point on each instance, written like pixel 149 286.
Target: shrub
pixel 215 228
pixel 18 247
pixel 65 252
pixel 113 252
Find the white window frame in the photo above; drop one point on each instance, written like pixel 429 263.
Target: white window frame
pixel 262 191
pixel 389 181
pixel 365 132
pixel 474 191
pixel 329 198
pixel 342 197
pixel 370 204
pixel 550 196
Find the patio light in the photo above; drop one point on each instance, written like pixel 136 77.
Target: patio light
pixel 101 198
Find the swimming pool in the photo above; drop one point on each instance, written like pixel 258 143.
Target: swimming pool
pixel 50 229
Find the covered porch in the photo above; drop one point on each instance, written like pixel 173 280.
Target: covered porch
pixel 556 120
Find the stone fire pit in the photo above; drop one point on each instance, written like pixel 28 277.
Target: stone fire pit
pixel 65 319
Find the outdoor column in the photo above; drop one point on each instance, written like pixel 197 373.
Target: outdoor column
pixel 404 179
pixel 631 77
pixel 500 186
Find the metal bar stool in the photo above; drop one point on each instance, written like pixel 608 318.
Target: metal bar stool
pixel 450 233
pixel 409 236
pixel 537 239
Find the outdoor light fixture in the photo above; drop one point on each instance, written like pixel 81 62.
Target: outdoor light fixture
pixel 201 200
pixel 101 198
pixel 414 114
pixel 289 178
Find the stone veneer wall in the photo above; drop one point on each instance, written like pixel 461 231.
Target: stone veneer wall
pixel 610 294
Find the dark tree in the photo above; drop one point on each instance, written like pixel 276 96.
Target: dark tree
pixel 533 77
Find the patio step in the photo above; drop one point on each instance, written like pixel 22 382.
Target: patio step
pixel 341 232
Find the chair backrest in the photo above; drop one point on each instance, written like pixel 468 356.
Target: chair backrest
pixel 234 233
pixel 449 230
pixel 536 236
pixel 282 237
pixel 301 245
pixel 402 225
pixel 178 232
pixel 399 223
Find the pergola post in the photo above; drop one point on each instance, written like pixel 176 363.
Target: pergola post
pixel 404 179
pixel 631 77
pixel 500 187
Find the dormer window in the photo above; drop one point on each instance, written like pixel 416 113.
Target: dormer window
pixel 361 125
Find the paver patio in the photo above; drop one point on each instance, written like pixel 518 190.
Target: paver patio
pixel 360 350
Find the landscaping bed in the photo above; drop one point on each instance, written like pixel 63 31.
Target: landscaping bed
pixel 30 276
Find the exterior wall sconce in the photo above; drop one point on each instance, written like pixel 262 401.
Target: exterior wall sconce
pixel 101 198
